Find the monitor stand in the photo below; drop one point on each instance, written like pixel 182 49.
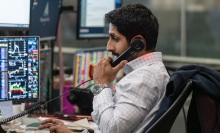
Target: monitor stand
pixel 18 108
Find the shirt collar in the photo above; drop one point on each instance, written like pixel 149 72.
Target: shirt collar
pixel 146 59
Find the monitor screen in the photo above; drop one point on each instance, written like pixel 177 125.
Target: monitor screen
pixel 45 72
pixel 45 18
pixel 15 14
pixel 82 61
pixel 91 17
pixel 19 58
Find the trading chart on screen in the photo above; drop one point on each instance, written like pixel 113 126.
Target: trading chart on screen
pixel 19 68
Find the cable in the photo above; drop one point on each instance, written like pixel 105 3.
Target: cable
pixel 37 106
pixel 90 86
pixel 67 92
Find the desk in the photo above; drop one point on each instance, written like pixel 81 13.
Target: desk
pixel 20 127
pixel 63 117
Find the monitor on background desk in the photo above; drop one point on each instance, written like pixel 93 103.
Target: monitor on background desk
pixel 82 95
pixel 82 61
pixel 45 18
pixel 45 74
pixel 91 18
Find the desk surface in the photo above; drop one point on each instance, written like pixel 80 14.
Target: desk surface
pixel 19 126
pixel 63 117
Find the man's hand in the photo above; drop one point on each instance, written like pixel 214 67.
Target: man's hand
pixel 104 73
pixel 55 126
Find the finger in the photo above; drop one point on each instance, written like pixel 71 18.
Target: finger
pixel 109 59
pixel 100 62
pixel 57 128
pixel 56 121
pixel 102 59
pixel 53 129
pixel 120 65
pixel 53 121
pixel 46 121
pixel 44 126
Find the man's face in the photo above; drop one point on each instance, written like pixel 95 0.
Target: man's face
pixel 117 43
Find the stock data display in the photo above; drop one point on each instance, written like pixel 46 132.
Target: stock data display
pixel 19 68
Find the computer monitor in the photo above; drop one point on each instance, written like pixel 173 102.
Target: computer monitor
pixel 83 59
pixel 91 17
pixel 45 73
pixel 45 18
pixel 15 14
pixel 19 57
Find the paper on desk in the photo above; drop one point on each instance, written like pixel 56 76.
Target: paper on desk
pixel 40 119
pixel 82 124
pixel 6 108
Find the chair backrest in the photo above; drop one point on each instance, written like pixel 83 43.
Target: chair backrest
pixel 164 120
pixel 203 113
pixel 204 107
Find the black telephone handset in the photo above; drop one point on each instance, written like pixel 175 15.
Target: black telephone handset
pixel 136 45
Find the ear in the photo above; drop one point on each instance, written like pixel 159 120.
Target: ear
pixel 138 42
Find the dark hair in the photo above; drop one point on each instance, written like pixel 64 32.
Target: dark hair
pixel 132 20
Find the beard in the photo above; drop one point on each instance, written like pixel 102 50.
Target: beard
pixel 115 54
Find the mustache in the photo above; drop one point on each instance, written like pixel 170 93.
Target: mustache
pixel 115 54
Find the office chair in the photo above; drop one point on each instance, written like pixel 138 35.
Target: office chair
pixel 164 119
pixel 203 113
pixel 83 98
pixel 205 85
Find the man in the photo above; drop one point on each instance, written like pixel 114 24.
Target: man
pixel 139 93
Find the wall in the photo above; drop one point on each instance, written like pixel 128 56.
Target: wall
pixel 188 28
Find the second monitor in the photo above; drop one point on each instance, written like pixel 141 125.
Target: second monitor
pixel 45 18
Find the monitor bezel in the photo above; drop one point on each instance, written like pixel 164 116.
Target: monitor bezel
pixel 8 28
